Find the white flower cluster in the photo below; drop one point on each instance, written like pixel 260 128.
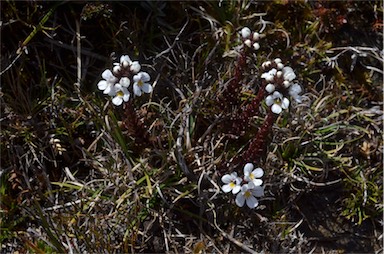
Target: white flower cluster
pixel 247 192
pixel 250 38
pixel 116 83
pixel 280 81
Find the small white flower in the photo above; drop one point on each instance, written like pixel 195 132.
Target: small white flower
pixel 288 73
pixel 280 66
pixel 252 174
pixel 294 92
pixel 140 83
pixel 121 94
pixel 277 101
pixel 107 84
pixel 248 195
pixel 245 32
pixel 232 183
pixel 270 88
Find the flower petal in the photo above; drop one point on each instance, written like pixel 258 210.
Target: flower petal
pixel 258 172
pixel 252 202
pixel 117 100
pixel 102 84
pixel 136 89
pixel 248 169
pixel 276 109
pixel 285 103
pixel 258 191
pixel 108 75
pixel 146 88
pixel 257 182
pixel 126 97
pixel 269 100
pixel 226 178
pixel 236 189
pixel 108 89
pixel 145 76
pixel 226 188
pixel 240 199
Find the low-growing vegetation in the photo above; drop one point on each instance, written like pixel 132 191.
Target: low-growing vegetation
pixel 191 127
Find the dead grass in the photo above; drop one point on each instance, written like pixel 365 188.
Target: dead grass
pixel 73 179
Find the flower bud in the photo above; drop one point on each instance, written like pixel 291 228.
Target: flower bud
pixel 270 88
pixel 286 83
pixel 116 69
pixel 248 42
pixel 256 36
pixel 245 32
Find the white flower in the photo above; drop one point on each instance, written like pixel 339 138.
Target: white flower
pixel 294 91
pixel 248 195
pixel 252 174
pixel 270 75
pixel 107 84
pixel 232 183
pixel 140 83
pixel 288 73
pixel 122 94
pixel 270 88
pixel 277 102
pixel 245 32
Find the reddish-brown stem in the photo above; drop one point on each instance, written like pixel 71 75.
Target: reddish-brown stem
pixel 252 109
pixel 230 96
pixel 257 145
pixel 135 127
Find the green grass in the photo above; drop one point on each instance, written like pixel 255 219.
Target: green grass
pixel 74 179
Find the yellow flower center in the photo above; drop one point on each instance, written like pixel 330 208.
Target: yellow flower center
pixel 140 83
pixel 120 93
pixel 232 184
pixel 247 194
